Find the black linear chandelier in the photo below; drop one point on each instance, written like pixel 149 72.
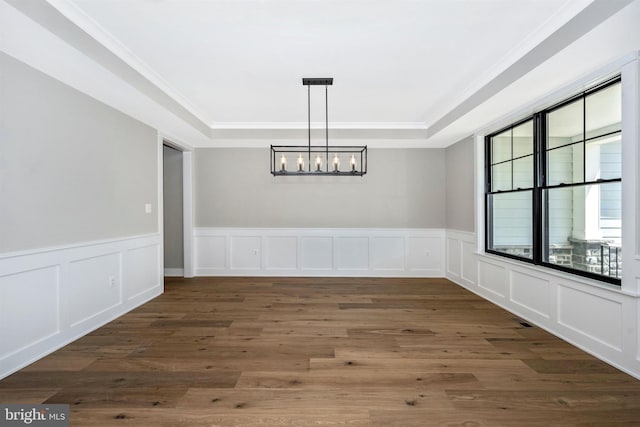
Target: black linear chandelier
pixel 327 160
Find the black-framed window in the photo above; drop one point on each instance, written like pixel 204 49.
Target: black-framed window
pixel 554 186
pixel 510 198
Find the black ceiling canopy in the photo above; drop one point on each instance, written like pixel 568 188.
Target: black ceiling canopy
pixel 317 81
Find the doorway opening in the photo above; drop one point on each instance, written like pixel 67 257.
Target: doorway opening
pixel 173 215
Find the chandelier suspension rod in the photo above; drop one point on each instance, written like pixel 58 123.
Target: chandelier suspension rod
pixel 326 126
pixel 309 122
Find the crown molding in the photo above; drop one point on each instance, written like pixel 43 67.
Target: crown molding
pixel 594 14
pixel 319 125
pixel 78 17
pixel 569 10
pixel 82 33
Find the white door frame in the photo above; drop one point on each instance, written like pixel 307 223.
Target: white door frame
pixel 187 211
pixel 187 199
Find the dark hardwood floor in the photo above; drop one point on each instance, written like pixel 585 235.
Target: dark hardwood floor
pixel 300 351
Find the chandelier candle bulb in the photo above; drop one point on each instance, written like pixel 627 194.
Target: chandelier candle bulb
pixel 300 163
pixel 318 163
pixel 283 163
pixel 353 163
pixel 336 163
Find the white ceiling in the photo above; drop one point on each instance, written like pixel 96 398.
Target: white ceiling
pixel 406 73
pixel 392 61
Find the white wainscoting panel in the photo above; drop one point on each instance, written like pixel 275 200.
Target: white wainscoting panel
pixel 142 280
pixel 245 252
pixel 387 253
pixel 493 278
pixel 93 287
pixel 319 252
pixel 351 253
pixel 598 318
pixel 531 292
pixel 29 308
pixel 461 263
pixel 282 252
pixel 453 257
pixel 53 296
pixel 469 264
pixel 426 254
pixel 211 252
pixel 595 317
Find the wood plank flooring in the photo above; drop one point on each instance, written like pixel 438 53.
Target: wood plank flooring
pixel 301 351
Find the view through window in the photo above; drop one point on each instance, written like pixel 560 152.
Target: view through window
pixel 554 186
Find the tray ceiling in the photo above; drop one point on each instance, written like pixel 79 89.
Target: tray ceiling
pixel 403 70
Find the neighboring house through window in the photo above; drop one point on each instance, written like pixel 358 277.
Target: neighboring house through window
pixel 553 186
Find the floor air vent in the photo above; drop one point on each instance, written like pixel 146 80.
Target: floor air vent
pixel 522 322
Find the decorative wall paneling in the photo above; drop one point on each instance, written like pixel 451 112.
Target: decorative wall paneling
pixel 319 252
pixel 50 297
pixel 599 318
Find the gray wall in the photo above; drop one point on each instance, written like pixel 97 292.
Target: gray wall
pixel 404 188
pixel 172 204
pixel 71 168
pixel 460 185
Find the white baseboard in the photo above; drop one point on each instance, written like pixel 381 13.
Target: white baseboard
pixel 53 296
pixel 174 272
pixel 319 252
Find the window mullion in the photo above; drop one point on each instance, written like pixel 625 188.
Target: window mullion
pixel 538 165
pixel 488 211
pixel 584 138
pixel 512 163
